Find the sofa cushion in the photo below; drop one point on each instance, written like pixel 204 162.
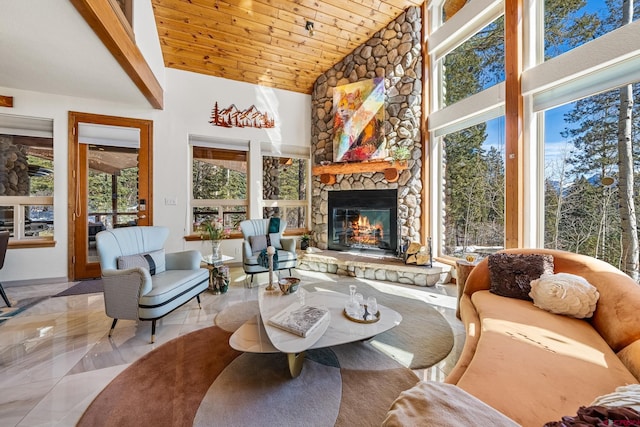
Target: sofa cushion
pixel 152 261
pixel 433 403
pixel 511 274
pixel 565 293
pixel 630 356
pixel 540 366
pixel 170 290
pixel 284 258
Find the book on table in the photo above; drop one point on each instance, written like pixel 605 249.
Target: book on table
pixel 299 320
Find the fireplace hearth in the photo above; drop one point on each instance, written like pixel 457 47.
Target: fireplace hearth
pixel 364 220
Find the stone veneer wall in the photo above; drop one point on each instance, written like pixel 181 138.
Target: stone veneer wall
pixel 394 53
pixel 14 168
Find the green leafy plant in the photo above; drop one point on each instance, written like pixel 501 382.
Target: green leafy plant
pixel 401 153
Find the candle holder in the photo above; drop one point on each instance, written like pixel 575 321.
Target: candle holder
pixel 270 252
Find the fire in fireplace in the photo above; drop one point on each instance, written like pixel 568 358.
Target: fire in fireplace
pixel 363 219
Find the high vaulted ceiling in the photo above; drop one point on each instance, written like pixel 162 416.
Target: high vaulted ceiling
pixel 266 42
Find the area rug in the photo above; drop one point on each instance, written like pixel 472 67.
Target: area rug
pixel 423 338
pixel 91 286
pixel 197 379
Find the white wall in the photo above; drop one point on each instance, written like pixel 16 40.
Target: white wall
pixel 189 99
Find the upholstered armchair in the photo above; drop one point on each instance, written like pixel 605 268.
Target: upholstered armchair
pixel 257 238
pixel 141 282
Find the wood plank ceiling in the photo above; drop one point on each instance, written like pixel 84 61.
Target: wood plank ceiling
pixel 266 42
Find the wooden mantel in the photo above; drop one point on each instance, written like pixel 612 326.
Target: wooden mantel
pixel 390 168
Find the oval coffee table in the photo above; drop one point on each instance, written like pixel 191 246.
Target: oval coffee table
pixel 258 336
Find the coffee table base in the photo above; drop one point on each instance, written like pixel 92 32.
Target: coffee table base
pixel 296 360
pixel 256 337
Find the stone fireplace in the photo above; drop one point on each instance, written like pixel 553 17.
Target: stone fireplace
pixel 363 220
pixel 394 53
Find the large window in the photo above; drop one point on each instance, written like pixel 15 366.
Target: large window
pixel 285 193
pixel 26 177
pixel 475 65
pixel 582 179
pixel 474 189
pixel 569 24
pixel 219 186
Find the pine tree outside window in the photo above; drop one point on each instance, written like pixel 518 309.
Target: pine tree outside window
pixel 285 190
pixel 219 186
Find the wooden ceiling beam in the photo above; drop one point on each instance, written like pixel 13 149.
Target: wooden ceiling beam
pixel 107 26
pixel 6 101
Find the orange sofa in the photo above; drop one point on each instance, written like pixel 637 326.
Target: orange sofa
pixel 534 366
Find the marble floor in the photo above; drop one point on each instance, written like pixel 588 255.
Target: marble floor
pixel 55 357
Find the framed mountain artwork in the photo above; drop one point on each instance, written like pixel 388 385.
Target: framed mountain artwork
pixel 358 121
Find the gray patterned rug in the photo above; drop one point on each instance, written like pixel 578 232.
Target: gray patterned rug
pixel 422 339
pixel 90 286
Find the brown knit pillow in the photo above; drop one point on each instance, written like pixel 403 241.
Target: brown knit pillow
pixel 511 274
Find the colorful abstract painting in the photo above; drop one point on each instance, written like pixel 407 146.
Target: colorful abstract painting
pixel 357 125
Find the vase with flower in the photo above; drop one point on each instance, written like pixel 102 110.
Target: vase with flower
pixel 215 231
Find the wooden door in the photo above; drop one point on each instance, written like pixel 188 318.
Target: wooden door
pixel 110 176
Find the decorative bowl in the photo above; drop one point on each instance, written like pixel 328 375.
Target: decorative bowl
pixel 288 285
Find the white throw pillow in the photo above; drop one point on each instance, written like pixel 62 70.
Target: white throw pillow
pixel 564 293
pixel 627 396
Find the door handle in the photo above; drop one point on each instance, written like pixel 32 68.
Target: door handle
pixel 142 216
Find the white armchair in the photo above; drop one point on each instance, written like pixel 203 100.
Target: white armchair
pixel 141 282
pixel 253 230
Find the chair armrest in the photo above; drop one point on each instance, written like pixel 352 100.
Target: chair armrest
pixel 122 291
pixel 288 245
pixel 185 260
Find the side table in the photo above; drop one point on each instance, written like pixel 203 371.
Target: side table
pixel 218 273
pixel 463 269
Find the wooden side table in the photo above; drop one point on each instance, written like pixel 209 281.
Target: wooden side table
pixel 463 269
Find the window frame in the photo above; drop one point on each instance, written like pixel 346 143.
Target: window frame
pixel 27 126
pixel 213 144
pixel 268 150
pixel 604 63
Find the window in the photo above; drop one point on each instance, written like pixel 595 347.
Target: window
pixel 569 24
pixel 26 177
pixel 565 169
pixel 219 185
pixel 582 175
pixel 474 189
pixel 475 65
pixel 285 191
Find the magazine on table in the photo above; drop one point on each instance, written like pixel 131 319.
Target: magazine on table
pixel 299 320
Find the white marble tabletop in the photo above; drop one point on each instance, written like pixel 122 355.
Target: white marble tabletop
pixel 256 336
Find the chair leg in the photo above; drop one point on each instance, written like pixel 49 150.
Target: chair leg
pixel 113 325
pixel 153 331
pixel 198 298
pixel 4 296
